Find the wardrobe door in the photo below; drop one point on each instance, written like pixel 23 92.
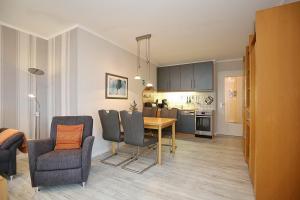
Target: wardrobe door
pixel 277 106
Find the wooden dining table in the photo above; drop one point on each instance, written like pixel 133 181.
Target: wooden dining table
pixel 158 123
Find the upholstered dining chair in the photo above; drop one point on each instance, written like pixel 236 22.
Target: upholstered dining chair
pixel 149 111
pixel 8 149
pixel 134 134
pixel 111 131
pixel 50 167
pixel 168 113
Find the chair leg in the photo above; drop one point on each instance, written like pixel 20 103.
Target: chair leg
pixel 112 155
pixel 154 163
pixel 170 143
pixel 136 157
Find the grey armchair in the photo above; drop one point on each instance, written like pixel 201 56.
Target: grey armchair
pixel 8 151
pixel 55 167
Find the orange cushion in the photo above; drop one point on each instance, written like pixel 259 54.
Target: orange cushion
pixel 68 136
pixel 7 134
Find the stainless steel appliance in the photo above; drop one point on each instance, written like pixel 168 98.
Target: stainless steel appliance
pixel 204 124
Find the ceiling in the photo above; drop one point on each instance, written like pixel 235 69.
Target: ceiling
pixel 182 30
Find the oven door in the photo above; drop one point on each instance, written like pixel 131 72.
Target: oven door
pixel 203 125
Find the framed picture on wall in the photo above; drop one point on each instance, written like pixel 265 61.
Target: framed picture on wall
pixel 116 87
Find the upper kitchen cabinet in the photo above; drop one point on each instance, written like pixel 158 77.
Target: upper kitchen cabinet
pixel 203 76
pixel 174 78
pixel 163 79
pixel 187 77
pixel 197 77
pixel 168 79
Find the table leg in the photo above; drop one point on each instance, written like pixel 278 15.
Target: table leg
pixel 159 146
pixel 3 188
pixel 113 148
pixel 173 138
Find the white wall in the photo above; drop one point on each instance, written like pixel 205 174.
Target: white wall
pixel 96 57
pixel 75 64
pixel 223 69
pixel 18 52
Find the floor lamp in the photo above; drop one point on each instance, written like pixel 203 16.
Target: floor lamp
pixel 36 72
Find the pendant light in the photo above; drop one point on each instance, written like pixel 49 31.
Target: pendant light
pixel 148 62
pixel 149 84
pixel 137 76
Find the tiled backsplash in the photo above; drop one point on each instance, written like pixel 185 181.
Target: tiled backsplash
pixel 187 100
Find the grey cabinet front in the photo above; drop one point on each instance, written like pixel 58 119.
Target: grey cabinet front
pixel 186 122
pixel 203 76
pixel 163 79
pixel 187 77
pixel 174 78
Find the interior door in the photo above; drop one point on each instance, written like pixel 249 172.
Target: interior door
pixel 229 108
pixel 233 99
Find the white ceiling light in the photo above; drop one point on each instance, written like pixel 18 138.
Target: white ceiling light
pixel 32 96
pixel 149 85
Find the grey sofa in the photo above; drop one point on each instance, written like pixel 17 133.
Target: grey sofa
pixel 8 151
pixel 49 167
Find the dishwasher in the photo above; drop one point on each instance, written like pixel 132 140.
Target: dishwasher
pixel 186 121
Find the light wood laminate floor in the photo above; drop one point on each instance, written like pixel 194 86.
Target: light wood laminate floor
pixel 201 169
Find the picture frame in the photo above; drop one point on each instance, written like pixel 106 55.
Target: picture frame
pixel 116 87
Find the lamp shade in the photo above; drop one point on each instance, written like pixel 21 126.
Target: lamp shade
pixel 32 96
pixel 149 85
pixel 36 71
pixel 137 77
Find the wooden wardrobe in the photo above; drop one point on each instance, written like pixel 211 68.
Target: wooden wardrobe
pixel 272 118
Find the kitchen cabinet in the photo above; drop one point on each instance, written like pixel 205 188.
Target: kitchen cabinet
pixel 174 78
pixel 186 122
pixel 203 76
pixel 168 78
pixel 186 77
pixel 163 79
pixel 196 77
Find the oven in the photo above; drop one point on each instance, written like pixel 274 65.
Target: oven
pixel 204 124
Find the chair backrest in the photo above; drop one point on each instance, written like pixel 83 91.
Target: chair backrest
pixel 110 123
pixel 149 111
pixel 133 125
pixel 87 122
pixel 166 113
